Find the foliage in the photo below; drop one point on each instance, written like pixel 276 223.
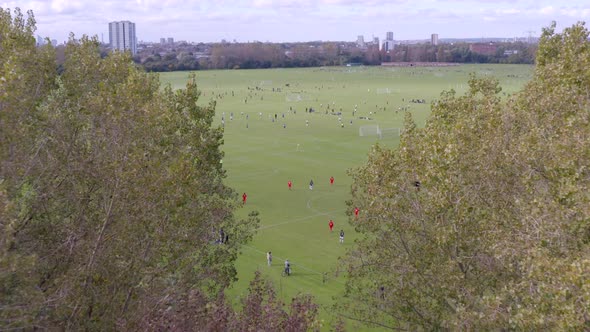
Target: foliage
pixel 480 220
pixel 262 311
pixel 112 193
pixel 259 55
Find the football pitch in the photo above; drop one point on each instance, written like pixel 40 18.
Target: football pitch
pixel 271 137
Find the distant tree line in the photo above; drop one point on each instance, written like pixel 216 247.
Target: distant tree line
pixel 316 54
pixel 514 53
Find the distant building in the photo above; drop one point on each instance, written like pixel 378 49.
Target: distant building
pixel 388 43
pixel 434 39
pixel 388 46
pixel 122 36
pixel 360 41
pixel 40 41
pixel 483 48
pixel 163 41
pixel 376 42
pixel 170 40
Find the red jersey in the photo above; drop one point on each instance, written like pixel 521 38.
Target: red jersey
pixel 331 180
pixel 244 196
pixel 331 224
pixel 356 211
pixel 289 184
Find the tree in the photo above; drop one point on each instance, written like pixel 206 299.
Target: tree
pixel 480 220
pixel 111 190
pixel 261 311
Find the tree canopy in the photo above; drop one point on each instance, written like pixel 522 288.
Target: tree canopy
pixel 481 219
pixel 111 189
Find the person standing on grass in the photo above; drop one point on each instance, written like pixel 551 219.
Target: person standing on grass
pixel 341 236
pixel 331 224
pixel 287 267
pixel 331 180
pixel 290 184
pixel 269 258
pixel 356 212
pixel 244 197
pixel 311 185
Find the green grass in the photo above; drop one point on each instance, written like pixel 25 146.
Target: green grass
pixel 261 155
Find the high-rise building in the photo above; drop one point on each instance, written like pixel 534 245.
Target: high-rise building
pixel 170 40
pixel 388 43
pixel 122 36
pixel 434 39
pixel 163 41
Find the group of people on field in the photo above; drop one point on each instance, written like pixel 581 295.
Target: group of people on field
pixel 287 268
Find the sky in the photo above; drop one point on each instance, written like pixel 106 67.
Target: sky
pixel 303 20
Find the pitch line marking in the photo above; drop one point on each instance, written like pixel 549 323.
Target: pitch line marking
pixel 300 219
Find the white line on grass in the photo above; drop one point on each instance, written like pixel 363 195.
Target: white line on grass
pixel 318 211
pixel 301 219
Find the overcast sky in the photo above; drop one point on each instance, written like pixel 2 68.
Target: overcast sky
pixel 303 20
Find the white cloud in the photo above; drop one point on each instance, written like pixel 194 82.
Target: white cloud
pixel 576 12
pixel 285 20
pixel 65 6
pixel 549 10
pixel 508 11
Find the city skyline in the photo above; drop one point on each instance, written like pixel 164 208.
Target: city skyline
pixel 302 20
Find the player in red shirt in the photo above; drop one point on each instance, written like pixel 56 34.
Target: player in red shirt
pixel 331 180
pixel 289 184
pixel 244 196
pixel 356 212
pixel 331 224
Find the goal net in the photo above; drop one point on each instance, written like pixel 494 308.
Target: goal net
pixel 390 133
pixel 370 130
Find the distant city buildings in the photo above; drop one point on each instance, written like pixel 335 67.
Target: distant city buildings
pixel 122 36
pixel 376 41
pixel 167 41
pixel 434 39
pixel 43 41
pixel 388 43
pixel 373 43
pixel 360 41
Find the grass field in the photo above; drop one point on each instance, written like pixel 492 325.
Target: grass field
pixel 262 154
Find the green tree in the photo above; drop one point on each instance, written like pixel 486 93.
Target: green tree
pixel 480 220
pixel 112 192
pixel 261 311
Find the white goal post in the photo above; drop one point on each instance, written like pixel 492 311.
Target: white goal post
pixel 369 130
pixel 390 132
pixel 381 133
